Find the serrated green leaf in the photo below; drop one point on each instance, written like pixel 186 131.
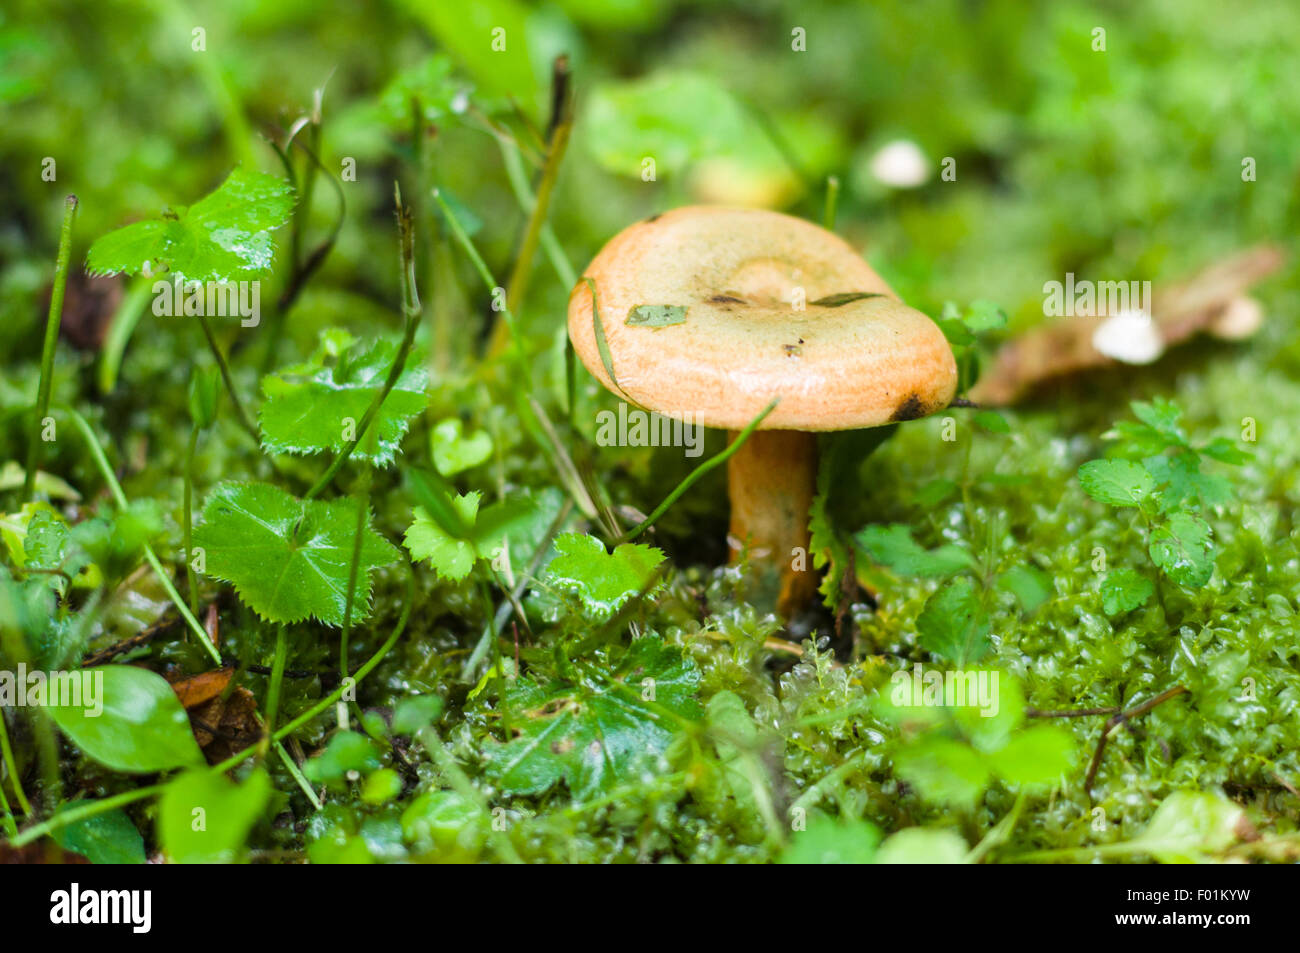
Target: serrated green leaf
pixel 1180 481
pixel 894 547
pixel 953 624
pixel 451 558
pixel 288 558
pixel 655 315
pixel 598 733
pixel 1181 547
pixel 225 236
pixel 454 451
pixel 141 728
pixel 1162 416
pixel 602 581
pixel 1124 590
pixel 318 405
pixel 1117 482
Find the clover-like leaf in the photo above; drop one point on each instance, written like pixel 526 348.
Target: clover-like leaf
pixel 451 558
pixel 1117 482
pixel 602 581
pixel 288 558
pixel 455 451
pixel 224 236
pixel 598 732
pixel 318 405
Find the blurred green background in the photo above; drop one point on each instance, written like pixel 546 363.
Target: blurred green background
pixel 1117 163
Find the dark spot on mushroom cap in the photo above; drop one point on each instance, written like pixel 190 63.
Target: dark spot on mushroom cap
pixel 654 218
pixel 911 408
pixel 725 299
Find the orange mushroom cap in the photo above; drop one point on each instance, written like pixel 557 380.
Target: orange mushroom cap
pixel 710 313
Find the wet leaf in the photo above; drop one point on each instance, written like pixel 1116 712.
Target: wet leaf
pixel 141 729
pixel 225 236
pixel 599 732
pixel 288 558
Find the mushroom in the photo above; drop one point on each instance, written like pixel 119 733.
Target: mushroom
pixel 755 306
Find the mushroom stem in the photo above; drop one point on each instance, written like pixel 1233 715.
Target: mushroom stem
pixel 771 480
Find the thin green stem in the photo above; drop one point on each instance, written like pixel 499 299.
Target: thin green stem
pixel 832 201
pixel 694 476
pixel 363 507
pixel 411 310
pixel 296 773
pixel 187 521
pixel 561 127
pixel 11 765
pixel 115 488
pixel 483 271
pixel 93 808
pixel 240 413
pixel 52 321
pixel 277 680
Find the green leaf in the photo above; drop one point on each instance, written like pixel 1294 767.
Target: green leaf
pixel 894 547
pixel 953 624
pixel 1181 547
pixel 1037 757
pixel 982 315
pixel 944 771
pixel 1031 586
pixel 599 732
pixel 454 451
pixel 1162 416
pixel 318 405
pixel 1124 590
pixel 992 421
pixel 655 315
pixel 471 31
pixel 828 841
pixel 288 558
pixel 451 558
pixel 108 838
pixel 922 845
pixel 346 752
pixel 141 728
pixel 225 236
pixel 676 118
pixel 602 581
pixel 1181 482
pixel 1189 827
pixel 204 818
pixel 1117 482
pixel 415 712
pixel 447 823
